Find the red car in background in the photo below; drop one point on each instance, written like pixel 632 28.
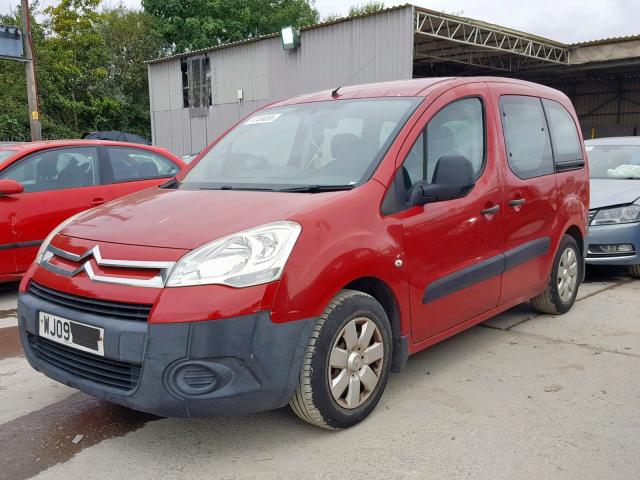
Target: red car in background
pixel 44 183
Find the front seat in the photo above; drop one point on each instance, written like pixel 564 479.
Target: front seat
pixel 350 161
pixel 46 173
pixel 440 143
pixel 147 170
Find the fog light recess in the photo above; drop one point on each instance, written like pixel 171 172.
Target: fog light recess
pixel 612 249
pixel 194 379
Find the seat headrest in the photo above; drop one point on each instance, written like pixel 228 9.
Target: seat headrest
pixel 453 170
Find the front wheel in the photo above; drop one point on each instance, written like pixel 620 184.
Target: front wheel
pixel 634 271
pixel 562 289
pixel 346 363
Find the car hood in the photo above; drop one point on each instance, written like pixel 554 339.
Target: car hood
pixel 186 219
pixel 608 192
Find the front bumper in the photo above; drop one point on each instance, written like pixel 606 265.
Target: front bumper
pixel 222 367
pixel 614 234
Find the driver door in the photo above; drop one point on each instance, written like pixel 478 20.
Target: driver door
pixel 454 248
pixel 7 259
pixel 58 183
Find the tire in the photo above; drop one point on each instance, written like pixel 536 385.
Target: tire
pixel 350 312
pixel 634 271
pixel 556 299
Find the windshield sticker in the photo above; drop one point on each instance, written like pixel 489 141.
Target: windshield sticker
pixel 588 148
pixel 263 119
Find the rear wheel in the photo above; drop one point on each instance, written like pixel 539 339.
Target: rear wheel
pixel 562 289
pixel 346 363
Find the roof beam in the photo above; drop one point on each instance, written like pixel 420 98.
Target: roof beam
pixel 462 32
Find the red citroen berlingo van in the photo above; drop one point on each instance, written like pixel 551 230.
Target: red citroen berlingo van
pixel 313 248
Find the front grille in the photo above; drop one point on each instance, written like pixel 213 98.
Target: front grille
pixel 119 310
pixel 592 214
pixel 111 373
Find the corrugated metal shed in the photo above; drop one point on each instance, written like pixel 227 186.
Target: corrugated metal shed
pixel 329 54
pixel 601 77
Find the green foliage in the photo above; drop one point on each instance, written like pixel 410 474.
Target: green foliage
pixel 90 69
pixel 370 7
pixel 90 60
pixel 355 10
pixel 192 24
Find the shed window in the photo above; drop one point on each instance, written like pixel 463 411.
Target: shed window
pixel 196 84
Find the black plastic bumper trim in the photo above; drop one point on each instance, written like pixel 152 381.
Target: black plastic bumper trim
pixel 485 270
pixel 251 363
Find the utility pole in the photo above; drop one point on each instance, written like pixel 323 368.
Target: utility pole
pixel 32 85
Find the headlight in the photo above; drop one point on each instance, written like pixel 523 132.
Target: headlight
pixel 54 232
pixel 243 259
pixel 612 216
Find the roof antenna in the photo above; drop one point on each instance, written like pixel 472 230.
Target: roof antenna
pixel 334 92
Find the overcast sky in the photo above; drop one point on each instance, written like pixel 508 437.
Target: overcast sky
pixel 562 20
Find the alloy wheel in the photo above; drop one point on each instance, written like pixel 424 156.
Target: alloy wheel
pixel 567 274
pixel 355 363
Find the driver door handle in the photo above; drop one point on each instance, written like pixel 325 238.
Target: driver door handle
pixel 518 202
pixel 490 210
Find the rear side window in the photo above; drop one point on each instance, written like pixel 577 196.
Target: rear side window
pixel 564 134
pixel 457 129
pixel 526 136
pixel 129 164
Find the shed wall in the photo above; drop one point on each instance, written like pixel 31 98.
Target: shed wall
pixel 327 57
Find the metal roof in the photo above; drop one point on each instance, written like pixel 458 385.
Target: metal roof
pixel 605 41
pixel 442 37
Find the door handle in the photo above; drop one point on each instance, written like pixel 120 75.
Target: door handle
pixel 490 210
pixel 97 201
pixel 518 202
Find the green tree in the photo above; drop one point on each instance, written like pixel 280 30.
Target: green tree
pixel 192 24
pixel 130 40
pixel 355 10
pixel 90 68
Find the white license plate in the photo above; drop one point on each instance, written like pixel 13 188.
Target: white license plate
pixel 73 334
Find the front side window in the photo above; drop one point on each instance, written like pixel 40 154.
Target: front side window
pixel 333 143
pixel 457 129
pixel 56 169
pixel 129 164
pixel 618 162
pixel 526 136
pixel 564 134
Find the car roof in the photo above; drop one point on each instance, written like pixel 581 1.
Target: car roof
pixel 623 141
pixel 33 146
pixel 419 87
pixel 30 147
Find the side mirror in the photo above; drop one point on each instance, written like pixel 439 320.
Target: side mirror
pixel 10 187
pixel 452 178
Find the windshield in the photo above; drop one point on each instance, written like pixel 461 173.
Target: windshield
pixel 4 154
pixel 614 161
pixel 322 144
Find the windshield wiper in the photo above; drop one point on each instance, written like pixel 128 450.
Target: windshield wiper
pixel 231 187
pixel 318 188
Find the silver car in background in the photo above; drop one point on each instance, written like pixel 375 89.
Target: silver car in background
pixel 614 215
